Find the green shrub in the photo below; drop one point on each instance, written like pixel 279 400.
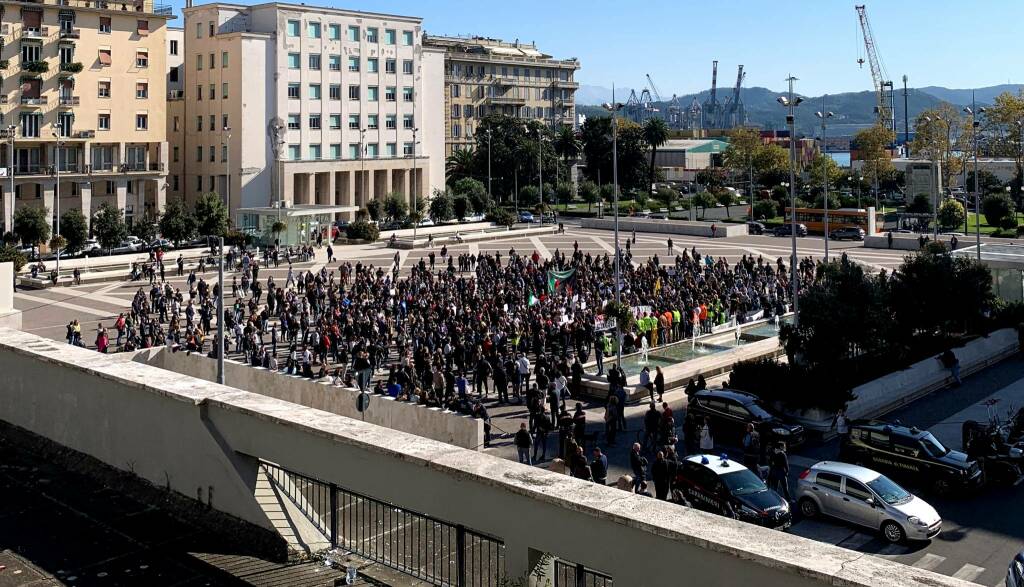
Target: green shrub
pixel 11 254
pixel 1008 223
pixel 501 217
pixel 362 230
pixel 765 209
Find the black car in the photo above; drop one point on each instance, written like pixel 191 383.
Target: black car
pixel 755 227
pixel 727 488
pixel 730 411
pixel 786 230
pixel 847 232
pixel 911 454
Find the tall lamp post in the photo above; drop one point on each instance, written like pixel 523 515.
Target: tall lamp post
pixel 56 200
pixel 973 111
pixel 9 200
pixel 614 108
pixel 790 102
pixel 824 115
pixel 490 194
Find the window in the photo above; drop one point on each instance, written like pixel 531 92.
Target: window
pixel 353 150
pixel 105 28
pixel 335 121
pixel 456 91
pixel 314 152
pixel 390 65
pixel 294 152
pixel 223 58
pixel 199 182
pixel 174 183
pixel 213 62
pixel 103 89
pixel 334 62
pixel 456 131
pixel 372 65
pixel 211 184
pixel 294 121
pixel 213 91
pixel 293 91
pixel 353 63
pixel 335 151
pixel 371 151
pixel 407 121
pixel 224 91
pixel 30 124
pixel 334 91
pixel 390 93
pixel 213 122
pixel 293 28
pixel 293 61
pixel 389 36
pixel 334 32
pixel 407 94
pixel 407 38
pixel 199 35
pixel 213 28
pixel 141 59
pixel 353 121
pixel 199 123
pixel 407 149
pixel 141 90
pixel 176 154
pixel 353 33
pixel 313 30
pixel 224 121
pixel 314 91
pixel 199 62
pixel 314 121
pixel 372 93
pixel 391 150
pixel 314 61
pixel 141 121
pixel 353 92
pixel 172 75
pixel 407 66
pixel 456 111
pixel 174 47
pixel 371 35
pixel 372 121
pixel 879 439
pixel 103 122
pixel 213 154
pixel 857 490
pixel 828 480
pixel 142 27
pixel 390 121
pixel 104 57
pixel 177 124
pixel 467 110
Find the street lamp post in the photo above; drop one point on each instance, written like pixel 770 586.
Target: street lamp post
pixel 56 200
pixel 614 108
pixel 490 194
pixel 824 115
pixel 935 199
pixel 790 102
pixel 973 111
pixel 9 200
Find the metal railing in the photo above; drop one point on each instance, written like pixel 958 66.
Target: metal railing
pixel 413 543
pixel 576 575
pixel 146 6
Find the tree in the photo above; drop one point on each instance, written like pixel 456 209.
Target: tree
pixel 442 208
pixel 744 145
pixel 108 226
pixel 951 213
pixel 459 165
pixel 211 215
pixel 824 168
pixel 833 201
pixel 529 195
pixel 373 208
pixel 145 230
pixel 704 200
pixel 589 193
pixel 564 192
pixel 10 254
pixel 667 196
pixel 513 152
pixel 727 199
pixel 712 179
pixel 995 207
pixel 765 209
pixel 32 225
pixel 475 192
pixel 655 133
pixel 277 228
pixel 567 144
pixel 460 206
pixel 177 224
pixel 596 135
pixel 939 134
pixel 395 207
pixel 771 165
pixel 987 182
pixel 72 228
pixel 1004 137
pixel 872 146
pixel 921 204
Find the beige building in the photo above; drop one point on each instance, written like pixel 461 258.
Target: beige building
pixel 487 76
pixel 175 110
pixel 321 109
pixel 83 95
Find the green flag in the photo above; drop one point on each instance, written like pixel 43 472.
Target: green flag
pixel 558 279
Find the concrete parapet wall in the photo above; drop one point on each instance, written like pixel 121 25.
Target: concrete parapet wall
pixel 909 242
pixel 171 428
pixel 683 227
pixel 433 423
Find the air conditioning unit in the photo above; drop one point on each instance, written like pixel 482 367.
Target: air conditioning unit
pixel 86 134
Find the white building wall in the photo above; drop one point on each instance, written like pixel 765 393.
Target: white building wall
pixel 432 105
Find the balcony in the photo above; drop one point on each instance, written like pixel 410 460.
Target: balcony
pixel 510 100
pixel 73 67
pixel 141 167
pixel 33 100
pixel 70 34
pixel 35 67
pixel 69 100
pixel 144 6
pixel 175 94
pixel 35 33
pixel 85 134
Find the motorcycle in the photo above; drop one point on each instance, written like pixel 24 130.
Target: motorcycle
pixel 997 446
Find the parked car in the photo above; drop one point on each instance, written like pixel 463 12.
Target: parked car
pixel 474 218
pixel 126 247
pixel 911 454
pixel 525 216
pixel 161 243
pixel 91 247
pixel 727 488
pixel 787 230
pixel 847 233
pixel 754 227
pixel 1015 574
pixel 864 497
pixel 425 222
pixel 730 411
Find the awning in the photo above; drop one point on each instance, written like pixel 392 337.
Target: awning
pixel 31 19
pixel 104 56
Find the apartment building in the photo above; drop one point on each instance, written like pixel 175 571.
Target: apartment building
pixel 83 97
pixel 488 76
pixel 315 110
pixel 175 110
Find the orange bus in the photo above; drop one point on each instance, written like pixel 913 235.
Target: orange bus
pixel 814 219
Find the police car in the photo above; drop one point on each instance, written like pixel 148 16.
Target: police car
pixel 727 488
pixel 910 454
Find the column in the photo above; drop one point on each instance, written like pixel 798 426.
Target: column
pixel 329 197
pixel 160 198
pixel 310 188
pixel 348 189
pixel 287 186
pixel 371 191
pixel 388 182
pixel 8 206
pixel 121 194
pixel 85 190
pixel 49 188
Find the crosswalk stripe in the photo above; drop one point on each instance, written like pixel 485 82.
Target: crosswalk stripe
pixel 542 250
pixel 75 307
pixel 929 561
pixel 968 572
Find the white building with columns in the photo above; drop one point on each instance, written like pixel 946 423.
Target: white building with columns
pixel 309 107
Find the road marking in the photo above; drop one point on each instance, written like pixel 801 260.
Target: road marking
pixel 856 541
pixel 542 250
pixel 968 572
pixel 66 305
pixel 929 561
pixel 603 244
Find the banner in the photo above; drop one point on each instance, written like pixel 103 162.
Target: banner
pixel 602 322
pixel 561 279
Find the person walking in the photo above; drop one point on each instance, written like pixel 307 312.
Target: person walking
pixel 671 250
pixel 778 471
pixel 638 464
pixel 599 467
pixel 523 443
pixel 752 449
pixel 659 383
pixel 611 415
pixel 842 426
pixel 540 438
pixel 707 440
pixel 660 474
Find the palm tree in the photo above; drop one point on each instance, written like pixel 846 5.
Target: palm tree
pixel 459 165
pixel 655 133
pixel 567 144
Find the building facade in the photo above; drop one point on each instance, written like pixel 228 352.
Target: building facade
pixel 73 107
pixel 488 76
pixel 175 110
pixel 305 106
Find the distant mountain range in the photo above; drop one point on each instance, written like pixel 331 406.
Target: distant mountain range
pixel 852 110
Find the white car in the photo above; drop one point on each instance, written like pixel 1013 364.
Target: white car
pixel 425 222
pixel 473 218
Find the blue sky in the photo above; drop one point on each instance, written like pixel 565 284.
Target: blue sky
pixel 935 42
